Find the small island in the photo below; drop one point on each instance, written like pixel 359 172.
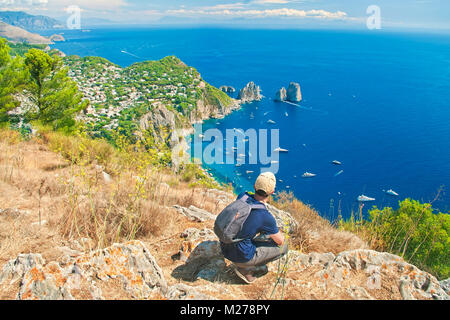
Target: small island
pixel 292 94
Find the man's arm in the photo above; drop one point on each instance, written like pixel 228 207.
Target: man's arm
pixel 278 238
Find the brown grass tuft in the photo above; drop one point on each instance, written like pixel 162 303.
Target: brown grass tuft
pixel 314 233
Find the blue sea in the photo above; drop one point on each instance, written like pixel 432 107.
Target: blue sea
pixel 378 102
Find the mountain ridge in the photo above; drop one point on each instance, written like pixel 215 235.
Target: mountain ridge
pixel 31 23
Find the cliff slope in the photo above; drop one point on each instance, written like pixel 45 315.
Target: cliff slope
pixel 66 228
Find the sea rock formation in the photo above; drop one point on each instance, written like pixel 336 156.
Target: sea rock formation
pixel 251 92
pixel 281 95
pixel 57 38
pixel 227 89
pixel 294 93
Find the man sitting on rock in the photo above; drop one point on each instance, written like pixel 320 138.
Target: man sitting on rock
pixel 250 253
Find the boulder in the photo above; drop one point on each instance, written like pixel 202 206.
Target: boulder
pixel 195 214
pixel 294 93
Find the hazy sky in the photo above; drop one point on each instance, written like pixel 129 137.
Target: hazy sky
pixel 429 14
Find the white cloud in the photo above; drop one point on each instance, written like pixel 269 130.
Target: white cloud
pixel 271 1
pixel 255 13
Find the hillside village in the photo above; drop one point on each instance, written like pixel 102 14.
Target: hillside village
pixel 118 96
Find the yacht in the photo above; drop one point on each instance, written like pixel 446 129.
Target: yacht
pixel 363 198
pixel 308 175
pixel 392 193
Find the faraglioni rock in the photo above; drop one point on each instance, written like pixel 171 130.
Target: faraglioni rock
pixel 227 89
pixel 294 93
pixel 251 92
pixel 281 95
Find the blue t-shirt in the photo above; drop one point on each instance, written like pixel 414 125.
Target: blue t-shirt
pixel 258 221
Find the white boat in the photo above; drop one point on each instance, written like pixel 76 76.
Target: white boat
pixel 336 162
pixel 363 198
pixel 249 171
pixel 271 121
pixel 286 114
pixel 280 150
pixel 273 162
pixel 392 193
pixel 308 175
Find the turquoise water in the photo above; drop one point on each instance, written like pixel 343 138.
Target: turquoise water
pixel 380 104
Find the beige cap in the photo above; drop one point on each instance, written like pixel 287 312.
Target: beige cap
pixel 266 182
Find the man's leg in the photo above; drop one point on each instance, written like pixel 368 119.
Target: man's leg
pixel 265 252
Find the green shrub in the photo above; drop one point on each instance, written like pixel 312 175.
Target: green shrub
pixel 415 231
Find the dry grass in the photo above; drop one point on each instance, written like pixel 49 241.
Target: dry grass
pixel 314 233
pixel 69 194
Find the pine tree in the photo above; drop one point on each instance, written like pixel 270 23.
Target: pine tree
pixel 12 78
pixel 52 91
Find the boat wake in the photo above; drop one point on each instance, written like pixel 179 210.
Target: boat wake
pixel 130 54
pixel 305 108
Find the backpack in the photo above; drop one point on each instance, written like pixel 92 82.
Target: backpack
pixel 230 221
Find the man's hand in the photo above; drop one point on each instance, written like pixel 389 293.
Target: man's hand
pixel 278 238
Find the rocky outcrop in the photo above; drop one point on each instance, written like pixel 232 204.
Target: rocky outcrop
pixel 82 278
pixel 227 89
pixel 251 92
pixel 195 214
pixel 363 274
pixel 445 285
pixel 57 38
pixel 294 93
pixel 281 95
pixel 161 123
pixel 217 110
pixel 130 271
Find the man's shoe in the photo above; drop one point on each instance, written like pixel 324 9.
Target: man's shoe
pixel 245 274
